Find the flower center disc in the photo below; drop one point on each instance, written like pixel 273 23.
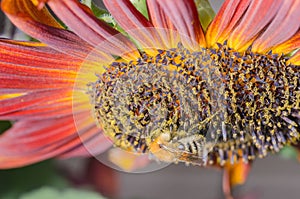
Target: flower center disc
pixel 207 106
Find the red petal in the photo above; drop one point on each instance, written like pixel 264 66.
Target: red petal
pixel 36 54
pixel 95 145
pixel 25 66
pixel 257 17
pixel 157 16
pixel 30 83
pixel 81 20
pixel 266 23
pixel 31 99
pixel 226 19
pixel 289 45
pixel 18 7
pixel 126 14
pixel 131 20
pixel 184 16
pixel 60 39
pixel 38 79
pixel 32 141
pixel 165 28
pixel 283 26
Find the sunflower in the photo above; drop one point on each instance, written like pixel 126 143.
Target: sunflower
pixel 218 96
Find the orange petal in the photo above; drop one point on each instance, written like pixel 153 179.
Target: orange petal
pixel 184 16
pixel 81 20
pixel 224 22
pixel 57 38
pixel 242 22
pixel 285 24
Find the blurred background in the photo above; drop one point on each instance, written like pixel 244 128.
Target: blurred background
pixel 277 176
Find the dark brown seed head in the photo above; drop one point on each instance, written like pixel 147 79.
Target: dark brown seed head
pixel 211 106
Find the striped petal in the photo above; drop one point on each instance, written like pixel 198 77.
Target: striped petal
pixel 81 20
pixel 29 21
pixel 36 108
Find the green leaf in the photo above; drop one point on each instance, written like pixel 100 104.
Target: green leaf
pixel 205 12
pixel 103 15
pixel 141 6
pixel 99 12
pixel 51 193
pixel 14 182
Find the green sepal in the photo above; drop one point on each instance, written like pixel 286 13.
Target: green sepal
pixel 205 12
pixel 141 6
pixel 88 3
pixel 291 54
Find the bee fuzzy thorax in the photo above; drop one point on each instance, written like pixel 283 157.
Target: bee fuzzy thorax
pixel 210 106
